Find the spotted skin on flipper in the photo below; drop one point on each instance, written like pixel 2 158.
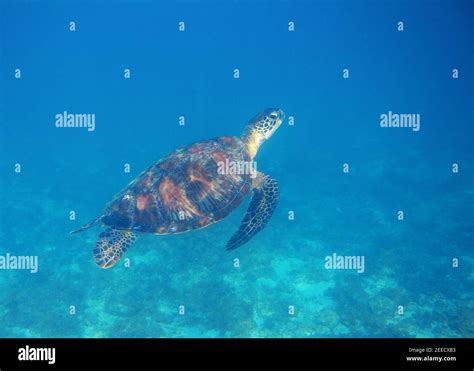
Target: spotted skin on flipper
pixel 261 208
pixel 111 245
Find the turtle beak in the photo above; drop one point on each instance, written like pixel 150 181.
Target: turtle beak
pixel 280 118
pixel 277 121
pixel 281 115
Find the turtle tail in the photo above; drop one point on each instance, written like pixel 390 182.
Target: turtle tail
pixel 87 226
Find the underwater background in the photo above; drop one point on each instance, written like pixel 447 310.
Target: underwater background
pixel 410 287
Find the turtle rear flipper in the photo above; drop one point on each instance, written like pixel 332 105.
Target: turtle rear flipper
pixel 261 208
pixel 111 245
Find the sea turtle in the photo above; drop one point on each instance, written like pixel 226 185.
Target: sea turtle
pixel 191 188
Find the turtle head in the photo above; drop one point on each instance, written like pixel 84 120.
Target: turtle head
pixel 261 128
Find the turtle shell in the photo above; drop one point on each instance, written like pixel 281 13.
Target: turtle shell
pixel 186 190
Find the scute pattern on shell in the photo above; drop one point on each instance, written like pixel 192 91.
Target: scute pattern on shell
pixel 183 191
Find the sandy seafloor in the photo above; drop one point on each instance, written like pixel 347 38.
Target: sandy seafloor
pixel 406 263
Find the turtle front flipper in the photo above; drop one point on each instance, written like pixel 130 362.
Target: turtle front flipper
pixel 261 208
pixel 111 245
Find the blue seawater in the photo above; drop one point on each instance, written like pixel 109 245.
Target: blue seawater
pixel 418 274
